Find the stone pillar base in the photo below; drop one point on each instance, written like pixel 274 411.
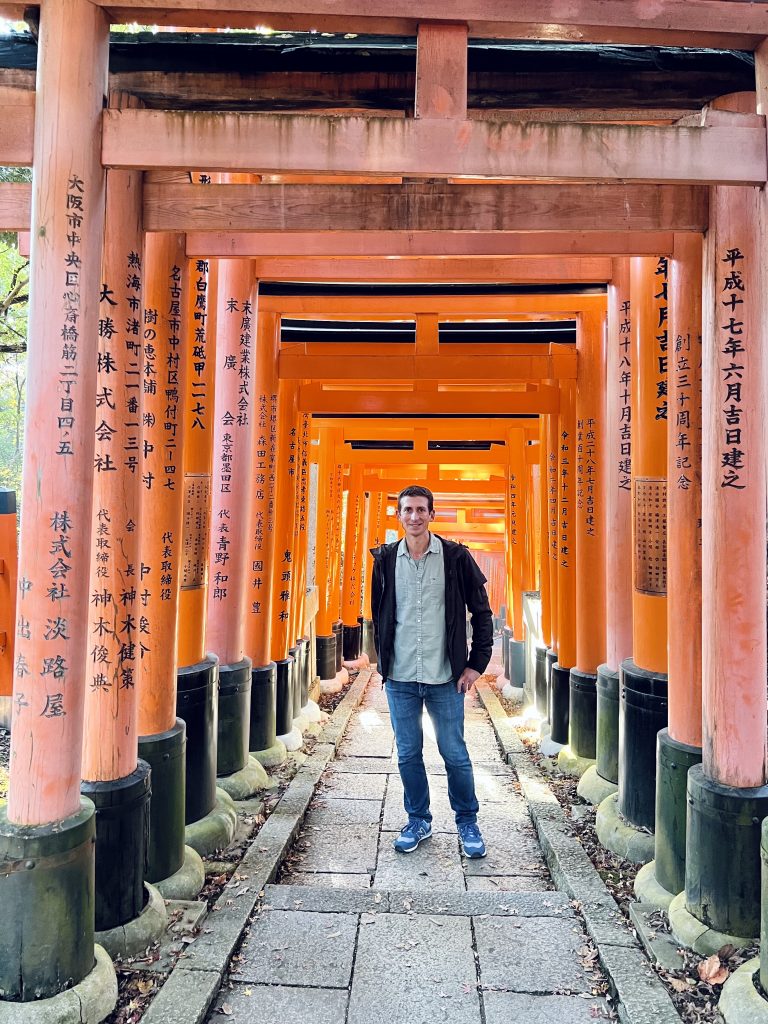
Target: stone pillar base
pixel 593 787
pixel 292 740
pixel 335 685
pixel 248 781
pixel 694 934
pixel 356 664
pixel 88 1002
pixel 649 889
pixel 740 1001
pixel 273 756
pixel 133 937
pixel 5 713
pixel 186 883
pixel 621 838
pixel 571 764
pixel 216 830
pixel 312 712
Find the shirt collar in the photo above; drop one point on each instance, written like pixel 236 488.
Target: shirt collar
pixel 434 546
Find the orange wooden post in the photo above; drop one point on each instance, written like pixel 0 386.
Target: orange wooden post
pixel 727 794
pixel 325 638
pixel 566 566
pixel 543 539
pixel 233 424
pixel 261 537
pixel 679 747
pixel 589 530
pixel 350 599
pixel 9 566
pixel 301 628
pixel 552 478
pixel 374 536
pixel 52 613
pixel 162 736
pixel 515 502
pixel 643 709
pixel 617 459
pixel 284 559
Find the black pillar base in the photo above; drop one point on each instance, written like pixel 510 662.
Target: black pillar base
pixel 351 643
pixel 673 759
pixel 551 661
pixel 540 681
pixel 582 714
pixel 47 900
pixel 122 835
pixel 516 663
pixel 326 656
pixel 506 636
pixel 367 645
pixel 722 869
pixel 559 709
pixel 284 696
pixel 338 632
pixel 234 718
pixel 304 670
pixel 642 713
pixel 295 675
pixel 263 730
pixel 607 743
pixel 165 753
pixel 197 702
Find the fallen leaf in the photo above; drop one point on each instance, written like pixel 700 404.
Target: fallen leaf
pixel 679 984
pixel 226 1009
pixel 712 971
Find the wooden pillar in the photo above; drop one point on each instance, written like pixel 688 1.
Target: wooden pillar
pixel 284 565
pixel 52 614
pixel 163 497
pixel 374 536
pixel 650 325
pixel 684 493
pixel 516 528
pixel 589 535
pixel 113 658
pixel 543 537
pixel 350 601
pixel 324 530
pixel 553 488
pixel 200 342
pixel 9 566
pixel 566 510
pixel 234 424
pixel 300 526
pixel 617 455
pixel 334 600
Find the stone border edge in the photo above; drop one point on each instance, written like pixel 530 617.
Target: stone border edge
pixel 195 980
pixel 640 996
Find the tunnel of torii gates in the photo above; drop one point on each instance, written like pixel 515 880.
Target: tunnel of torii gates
pixel 159 627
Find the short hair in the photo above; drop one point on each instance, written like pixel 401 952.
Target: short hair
pixel 417 491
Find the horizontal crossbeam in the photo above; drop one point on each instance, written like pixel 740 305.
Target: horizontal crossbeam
pixel 374 401
pixel 294 143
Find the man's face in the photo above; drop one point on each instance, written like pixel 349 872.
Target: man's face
pixel 414 516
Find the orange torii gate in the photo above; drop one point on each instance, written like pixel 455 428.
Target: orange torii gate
pixel 75 139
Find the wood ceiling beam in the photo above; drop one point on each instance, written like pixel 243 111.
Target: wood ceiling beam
pixel 402 306
pixel 518 270
pixel 447 367
pixel 172 206
pixel 494 458
pixel 408 244
pixel 431 147
pixel 315 398
pixel 696 23
pixel 437 430
pixel 448 490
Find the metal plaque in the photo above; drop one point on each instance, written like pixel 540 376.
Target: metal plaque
pixel 650 511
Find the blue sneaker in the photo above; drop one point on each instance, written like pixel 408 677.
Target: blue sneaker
pixel 414 833
pixel 471 841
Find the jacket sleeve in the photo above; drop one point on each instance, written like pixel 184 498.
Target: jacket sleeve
pixel 480 613
pixel 376 599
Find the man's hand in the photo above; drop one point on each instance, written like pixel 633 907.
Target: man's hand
pixel 467 680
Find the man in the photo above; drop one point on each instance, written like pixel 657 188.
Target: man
pixel 422 587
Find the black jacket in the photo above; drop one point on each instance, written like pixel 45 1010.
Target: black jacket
pixel 464 590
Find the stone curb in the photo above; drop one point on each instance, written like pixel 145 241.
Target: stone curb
pixel 640 996
pixel 194 982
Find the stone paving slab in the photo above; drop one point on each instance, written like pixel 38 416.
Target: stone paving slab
pixel 292 947
pixel 326 810
pixel 280 1004
pixel 346 786
pixel 481 904
pixel 508 883
pixel 509 1007
pixel 530 954
pixel 327 850
pixel 328 879
pixel 313 899
pixel 376 741
pixel 435 864
pixel 442 815
pixel 399 979
pixel 377 765
pixel 511 851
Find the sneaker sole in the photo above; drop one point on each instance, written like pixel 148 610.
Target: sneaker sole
pixel 398 849
pixel 474 856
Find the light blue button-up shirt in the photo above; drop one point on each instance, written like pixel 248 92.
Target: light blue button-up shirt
pixel 421 648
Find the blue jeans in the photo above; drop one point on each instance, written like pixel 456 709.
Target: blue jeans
pixel 445 707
